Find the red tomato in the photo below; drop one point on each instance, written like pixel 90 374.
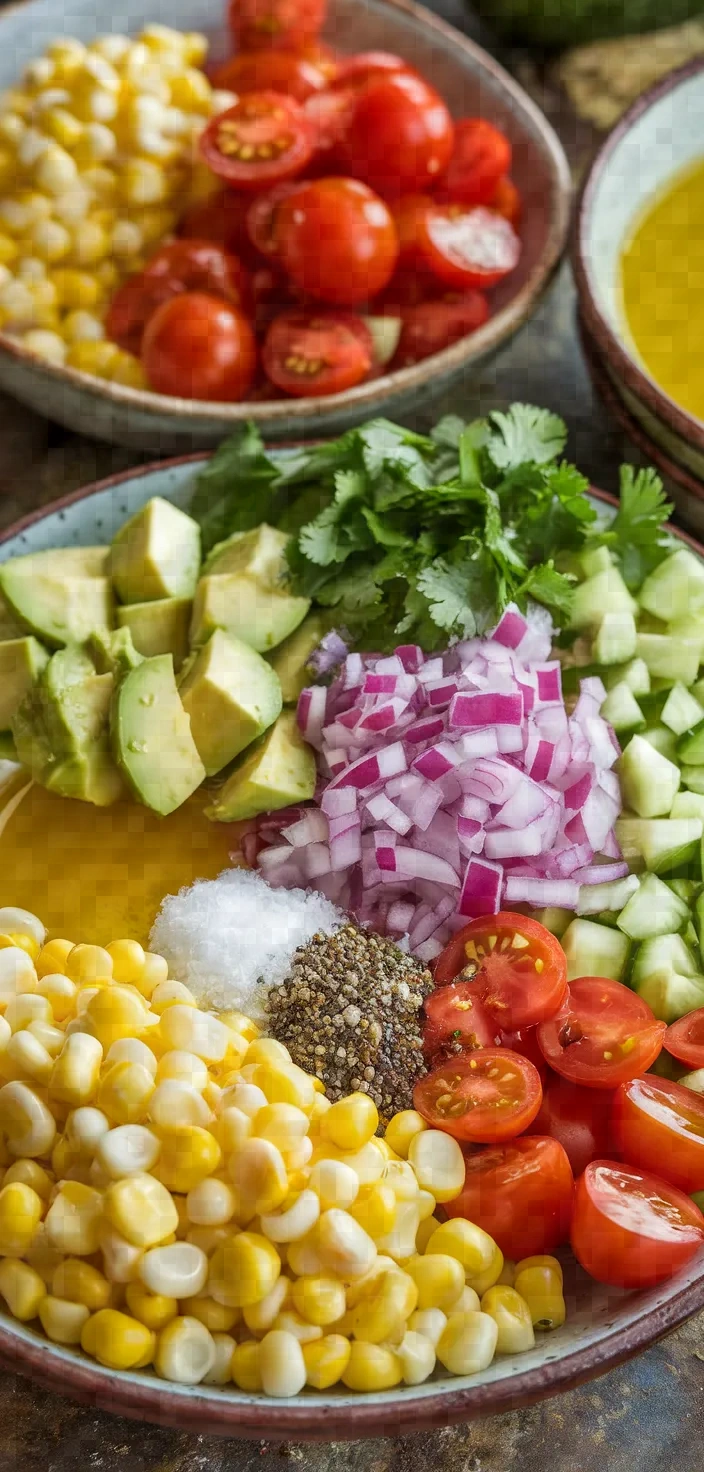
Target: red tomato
pixel 579 1118
pixel 525 1042
pixel 410 213
pixel 659 1126
pixel 130 310
pixel 271 296
pixel 221 220
pixel 196 347
pixel 270 71
pixel 455 1020
pixel 602 1036
pixel 399 136
pixel 434 325
pixel 287 24
pixel 322 56
pixel 521 1193
pixel 263 218
pixel 479 158
pixel 516 966
pixel 263 139
pixel 317 353
pixel 469 247
pixel 632 1229
pixel 482 1097
pixel 367 66
pixel 337 241
pixel 182 265
pixel 506 201
pixel 685 1039
pixel 328 114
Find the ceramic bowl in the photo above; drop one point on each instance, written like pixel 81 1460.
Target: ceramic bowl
pixel 469 79
pixel 603 1327
pixel 661 135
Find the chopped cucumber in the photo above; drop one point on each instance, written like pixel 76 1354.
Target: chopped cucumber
pixel 686 889
pixel 688 805
pixel 690 936
pixel 668 843
pixel 595 950
pixel 691 627
pixel 663 953
pixel 668 657
pixel 690 747
pixel 652 910
pixel 663 740
pixel 649 781
pixel 605 592
pixel 698 691
pixel 621 709
pixel 637 677
pixel 615 641
pixel 699 920
pixel 599 559
pixel 693 778
pixel 675 588
pixel 670 995
pixel 554 920
pixel 629 834
pixel 385 333
pixel 610 897
pixel 695 1081
pixel 681 711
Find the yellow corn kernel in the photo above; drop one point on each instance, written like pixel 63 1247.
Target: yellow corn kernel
pixel 232 1129
pixel 17 974
pixel 52 1038
pixel 60 124
pixel 76 290
pixel 53 955
pixel 115 1012
pixel 189 1153
pixel 266 1050
pixel 258 1174
pixel 468 1343
pixel 185 1067
pixel 401 1177
pixel 30 1173
pixel 241 1025
pixel 480 1282
pixel 143 182
pixel 350 1122
pixel 471 1245
pixel 25 1057
pixel 376 1210
pixel 62 1321
pixel 429 1322
pixel 9 249
pixel 27 1124
pixel 381 1315
pixel 193 1031
pixel 121 1259
pixel 155 1310
pixel 326 1360
pixel 127 961
pixel 335 1183
pixel 74 1079
pixel 467 1302
pixel 400 1242
pixel 140 1208
pixel 540 1261
pixel 42 1257
pixel 318 1299
pixel 438 1163
pixel 124 1092
pixel 119 1341
pixel 22 1288
pixel 439 1279
pixel 59 991
pixel 211 1203
pixel 208 1238
pixel 243 1270
pixel 402 1129
pixel 541 1287
pixel 246 1373
pixel 73 1219
pixel 84 1129
pixel 344 1247
pixel 88 964
pixel 371 1367
pixel 155 968
pixel 185 1351
pixel 283 1125
pixel 259 1317
pixel 175 1102
pixel 284 1084
pixel 191 91
pixel 79 1282
pixel 217 1317
pixel 167 993
pixel 513 1319
pixel 95 358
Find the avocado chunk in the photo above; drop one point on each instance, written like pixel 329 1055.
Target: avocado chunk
pixel 160 627
pixel 8 750
pixel 90 776
pixel 56 596
pixel 10 627
pixel 259 553
pixel 151 736
pixel 21 661
pixel 260 616
pixel 156 554
pixel 113 652
pixel 290 660
pixel 231 695
pixel 279 769
pixel 60 729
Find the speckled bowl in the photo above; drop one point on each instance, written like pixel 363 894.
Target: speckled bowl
pixel 469 79
pixel 604 1326
pixel 661 135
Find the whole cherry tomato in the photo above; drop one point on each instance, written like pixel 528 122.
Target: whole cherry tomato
pixel 196 347
pixel 659 1126
pixel 521 1193
pixel 181 265
pixel 287 24
pixel 263 217
pixel 367 66
pixel 275 71
pixel 317 353
pixel 517 968
pixel 337 241
pixel 603 1035
pixel 264 138
pixel 328 114
pixel 479 158
pixel 432 326
pixel 480 1097
pixel 631 1228
pixel 399 136
pixel 579 1118
pixel 220 219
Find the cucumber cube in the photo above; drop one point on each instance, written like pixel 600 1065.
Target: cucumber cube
pixel 671 996
pixel 688 805
pixel 693 778
pixel 691 627
pixel 662 740
pixel 665 952
pixel 637 677
pixel 675 588
pixel 681 712
pixel 670 658
pixel 698 691
pixel 669 843
pixel 629 836
pixel 695 1081
pixel 652 910
pixel 598 559
pixel 554 920
pixel 603 593
pixel 649 781
pixel 594 899
pixel 595 950
pixel 616 639
pixel 621 709
pixel 690 747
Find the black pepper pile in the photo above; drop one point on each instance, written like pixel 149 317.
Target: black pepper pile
pixel 349 1010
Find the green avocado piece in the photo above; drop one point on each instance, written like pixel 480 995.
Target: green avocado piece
pixel 260 616
pixel 10 627
pixel 113 652
pixel 156 554
pixel 290 660
pixel 8 750
pixel 160 627
pixel 231 695
pixel 89 776
pixel 260 553
pixel 21 661
pixel 56 595
pixel 151 737
pixel 574 22
pixel 60 729
pixel 279 769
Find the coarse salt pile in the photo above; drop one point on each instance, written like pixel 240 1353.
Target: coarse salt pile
pixel 229 939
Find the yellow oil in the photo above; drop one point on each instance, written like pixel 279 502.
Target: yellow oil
pixel 97 874
pixel 662 289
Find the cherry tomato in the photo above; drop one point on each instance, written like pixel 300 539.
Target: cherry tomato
pixel 131 307
pixel 410 213
pixel 337 241
pixel 328 114
pixel 432 326
pixel 482 1097
pixel 479 158
pixel 399 136
pixel 469 247
pixel 286 24
pixel 631 1229
pixel 525 1042
pixel 455 1020
pixel 271 296
pixel 579 1118
pixel 263 139
pixel 222 220
pixel 506 201
pixel 521 1193
pixel 659 1125
pixel 367 66
pixel 685 1039
pixel 603 1035
pixel 516 966
pixel 196 347
pixel 182 265
pixel 270 71
pixel 317 353
pixel 324 57
pixel 263 218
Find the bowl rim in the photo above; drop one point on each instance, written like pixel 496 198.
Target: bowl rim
pixel 607 340
pixel 402 380
pixel 247 1419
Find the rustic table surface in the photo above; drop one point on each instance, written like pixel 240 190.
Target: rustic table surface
pixel 647 1413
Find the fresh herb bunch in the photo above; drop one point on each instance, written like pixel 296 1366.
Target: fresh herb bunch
pixel 414 537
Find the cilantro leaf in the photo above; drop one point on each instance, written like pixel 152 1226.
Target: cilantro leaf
pixel 457 593
pixel 555 590
pixel 524 433
pixel 234 491
pixel 637 535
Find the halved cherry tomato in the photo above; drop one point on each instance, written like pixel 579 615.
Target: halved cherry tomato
pixel 263 217
pixel 367 66
pixel 659 1126
pixel 521 1193
pixel 337 241
pixel 309 353
pixel 525 1042
pixel 324 57
pixel 328 114
pixel 264 138
pixel 277 71
pixel 483 1097
pixel 221 220
pixel 399 136
pixel 631 1229
pixel 456 1021
pixel 466 246
pixel 434 325
pixel 182 265
pixel 579 1118
pixel 685 1039
pixel 602 1036
pixel 196 347
pixel 517 968
pixel 287 24
pixel 506 201
pixel 479 158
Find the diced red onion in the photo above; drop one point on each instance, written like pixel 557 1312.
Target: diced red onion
pixel 400 916
pixel 601 873
pixel 383 810
pixel 543 893
pixel 469 710
pixel 424 730
pixel 481 889
pixel 311 713
pixel 511 628
pixel 435 761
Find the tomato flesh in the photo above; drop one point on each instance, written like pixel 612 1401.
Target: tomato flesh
pixel 263 218
pixel 197 347
pixel 603 1035
pixel 482 1097
pixel 317 353
pixel 337 241
pixel 288 24
pixel 481 155
pixel 630 1228
pixel 579 1118
pixel 466 246
pixel 521 1193
pixel 278 71
pixel 685 1039
pixel 432 326
pixel 659 1126
pixel 506 201
pixel 399 136
pixel 456 1020
pixel 263 139
pixel 516 966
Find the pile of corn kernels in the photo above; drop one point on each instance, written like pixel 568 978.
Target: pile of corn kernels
pixel 175 1193
pixel 96 165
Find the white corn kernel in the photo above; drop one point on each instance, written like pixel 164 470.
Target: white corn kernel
pixel 196 1032
pixel 28 1125
pixel 31 147
pixel 185 1351
pixel 85 1128
pixel 335 1183
pixel 281 1363
pixel 247 1098
pixel 185 1067
pixel 344 1247
pixel 128 1150
pixel 99 142
pixel 220 1372
pixel 47 345
pixel 55 170
pixel 174 1102
pixel 438 1163
pixel 260 1316
pixel 417 1356
pixel 17 973
pixel 429 1322
pixel 73 205
pixel 178 1270
pixel 211 1203
pixel 121 1258
pixel 293 1223
pixel 127 1050
pixel 51 1038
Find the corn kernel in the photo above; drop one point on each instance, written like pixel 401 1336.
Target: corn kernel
pixel 140 1208
pixel 27 1058
pixel 259 1176
pixel 371 1367
pixel 188 1154
pixel 468 1343
pixel 176 1103
pixel 284 1084
pixel 243 1270
pixel 30 1173
pixel 402 1129
pixel 245 1367
pixel 541 1288
pixel 513 1319
pixel 281 1364
pixel 73 1219
pixel 185 1351
pixel 383 1312
pixel 21 1210
pixel 25 1008
pixel 217 1317
pixel 127 1150
pixel 294 1221
pixel 417 1356
pixel 220 1372
pixel 74 1079
pixel 260 1316
pixel 438 1163
pixel 119 1341
pixel 211 1203
pixel 185 1067
pixel 351 1122
pixel 53 955
pixel 438 1278
pixel 344 1247
pixel 376 1210
pixel 318 1299
pixel 540 1261
pixel 467 1302
pixel 22 1288
pixel 124 1092
pixel 131 1050
pixel 63 1321
pixel 480 1282
pixel 27 1123
pixel 79 1282
pixel 429 1322
pixel 472 1246
pixel 335 1183
pixel 88 964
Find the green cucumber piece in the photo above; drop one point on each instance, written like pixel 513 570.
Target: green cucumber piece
pixel 635 675
pixel 663 740
pixel 686 889
pixel 554 920
pixel 603 593
pixel 595 950
pixel 594 560
pixel 652 910
pixel 681 712
pixel 621 709
pixel 663 953
pixel 690 747
pixel 693 778
pixel 669 843
pixel 649 781
pixel 699 922
pixel 690 936
pixel 670 658
pixel 615 641
pixel 671 995
pixel 688 805
pixel 675 588
pixel 698 691
pixel 629 834
pixel 609 898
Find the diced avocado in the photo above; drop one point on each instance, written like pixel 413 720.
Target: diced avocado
pixel 160 627
pixel 113 652
pixel 231 695
pixel 262 617
pixel 675 588
pixel 90 776
pixel 8 750
pixel 21 660
pixel 670 658
pixel 151 737
pixel 54 598
pixel 10 627
pixel 621 709
pixel 60 729
pixel 603 593
pixel 156 554
pixel 653 910
pixel 690 747
pixel 259 553
pixel 279 770
pixel 594 560
pixel 595 950
pixel 608 898
pixel 290 660
pixel 649 781
pixel 681 711
pixel 615 641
